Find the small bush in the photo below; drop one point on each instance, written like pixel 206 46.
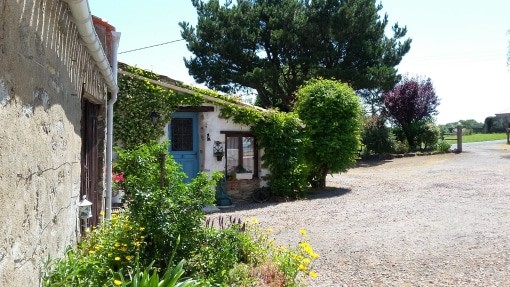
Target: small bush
pixel 428 135
pixel 169 211
pixel 443 146
pixel 377 137
pixel 112 246
pixel 332 114
pixel 401 147
pixel 218 252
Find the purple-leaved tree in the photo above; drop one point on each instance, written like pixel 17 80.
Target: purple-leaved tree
pixel 410 104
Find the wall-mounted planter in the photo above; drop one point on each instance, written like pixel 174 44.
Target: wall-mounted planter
pixel 219 156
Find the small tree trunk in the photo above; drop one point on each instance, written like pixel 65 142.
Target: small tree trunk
pixel 318 179
pixel 162 161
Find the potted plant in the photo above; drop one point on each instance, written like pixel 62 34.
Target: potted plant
pixel 219 155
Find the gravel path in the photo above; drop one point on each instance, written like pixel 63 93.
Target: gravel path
pixel 441 220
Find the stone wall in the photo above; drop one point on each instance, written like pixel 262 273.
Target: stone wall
pixel 44 71
pixel 241 190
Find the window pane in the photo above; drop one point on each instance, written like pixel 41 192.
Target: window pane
pixel 232 154
pixel 240 154
pixel 248 153
pixel 182 134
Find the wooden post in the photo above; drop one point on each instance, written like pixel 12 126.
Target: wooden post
pixel 508 136
pixel 459 138
pixel 162 161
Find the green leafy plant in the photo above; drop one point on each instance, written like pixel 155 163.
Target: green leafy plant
pixel 149 277
pixel 428 135
pixel 112 246
pixel 443 146
pixel 377 137
pixel 218 252
pixel 160 201
pixel 137 100
pixel 332 114
pixel 283 139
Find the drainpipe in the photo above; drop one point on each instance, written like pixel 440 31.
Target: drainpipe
pixel 109 128
pixel 82 17
pixel 83 20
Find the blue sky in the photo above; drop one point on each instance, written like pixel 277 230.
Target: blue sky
pixel 461 45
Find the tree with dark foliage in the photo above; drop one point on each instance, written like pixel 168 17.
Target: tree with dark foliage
pixel 273 47
pixel 410 104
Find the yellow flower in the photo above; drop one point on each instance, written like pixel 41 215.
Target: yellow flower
pixel 123 249
pixel 92 251
pixel 302 267
pixel 117 258
pixel 101 213
pixel 269 230
pixel 302 232
pixel 314 255
pixel 306 261
pixel 129 258
pixel 255 220
pixel 116 244
pixel 313 274
pixel 142 228
pixel 117 282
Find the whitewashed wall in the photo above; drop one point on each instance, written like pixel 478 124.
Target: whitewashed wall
pixel 210 123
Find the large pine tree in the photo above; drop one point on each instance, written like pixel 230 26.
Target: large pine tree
pixel 273 46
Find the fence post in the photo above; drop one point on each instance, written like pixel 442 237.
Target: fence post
pixel 508 136
pixel 459 138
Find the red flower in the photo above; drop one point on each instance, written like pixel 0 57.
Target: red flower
pixel 118 177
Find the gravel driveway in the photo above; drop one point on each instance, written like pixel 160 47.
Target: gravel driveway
pixel 441 220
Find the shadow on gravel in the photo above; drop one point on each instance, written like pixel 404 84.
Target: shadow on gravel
pixel 329 192
pixel 370 163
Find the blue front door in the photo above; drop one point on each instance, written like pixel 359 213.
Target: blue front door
pixel 183 134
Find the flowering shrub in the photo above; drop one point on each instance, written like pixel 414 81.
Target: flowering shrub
pixel 112 246
pixel 168 209
pixel 254 260
pixel 118 179
pixel 164 225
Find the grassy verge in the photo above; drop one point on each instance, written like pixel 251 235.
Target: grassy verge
pixel 480 138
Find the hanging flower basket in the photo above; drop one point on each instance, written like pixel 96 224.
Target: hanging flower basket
pixel 219 156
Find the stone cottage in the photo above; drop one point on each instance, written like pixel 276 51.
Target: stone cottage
pixel 201 140
pixel 54 84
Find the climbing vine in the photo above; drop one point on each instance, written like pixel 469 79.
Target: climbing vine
pixel 279 134
pixel 137 100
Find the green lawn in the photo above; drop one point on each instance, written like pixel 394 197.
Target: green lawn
pixel 480 138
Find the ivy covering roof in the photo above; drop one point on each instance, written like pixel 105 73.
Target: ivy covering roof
pixel 163 81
